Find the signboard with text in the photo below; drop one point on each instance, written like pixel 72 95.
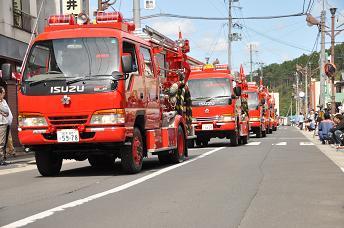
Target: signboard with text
pixel 149 4
pixel 71 6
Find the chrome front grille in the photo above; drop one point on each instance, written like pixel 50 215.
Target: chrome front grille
pixel 207 119
pixel 67 120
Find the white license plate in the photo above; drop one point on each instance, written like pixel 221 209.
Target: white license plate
pixel 67 135
pixel 207 127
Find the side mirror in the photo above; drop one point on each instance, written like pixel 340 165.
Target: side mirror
pixel 230 101
pixel 233 96
pixel 6 69
pixel 127 64
pixel 237 91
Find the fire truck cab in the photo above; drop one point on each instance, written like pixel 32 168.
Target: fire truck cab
pixel 98 91
pixel 256 106
pixel 216 105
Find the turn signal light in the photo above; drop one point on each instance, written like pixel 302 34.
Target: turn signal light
pixel 61 20
pixel 110 17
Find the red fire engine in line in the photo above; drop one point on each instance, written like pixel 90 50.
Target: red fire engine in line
pixel 273 115
pixel 217 105
pixel 103 91
pixel 267 110
pixel 257 109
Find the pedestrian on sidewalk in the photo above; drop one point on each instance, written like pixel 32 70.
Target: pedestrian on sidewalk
pixel 324 128
pixel 336 133
pixel 4 113
pixel 9 141
pixel 301 120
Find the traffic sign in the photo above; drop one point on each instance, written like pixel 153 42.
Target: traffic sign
pixel 330 69
pixel 149 4
pixel 71 6
pixel 301 94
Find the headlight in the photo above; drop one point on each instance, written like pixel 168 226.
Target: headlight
pixel 112 116
pixel 228 118
pixel 31 121
pixel 254 119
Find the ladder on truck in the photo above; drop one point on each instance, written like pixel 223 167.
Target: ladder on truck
pixel 149 34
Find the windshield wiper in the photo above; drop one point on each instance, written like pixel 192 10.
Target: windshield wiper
pixel 95 77
pixel 223 96
pixel 200 98
pixel 32 83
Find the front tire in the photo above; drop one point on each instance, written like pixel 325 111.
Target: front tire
pixel 259 133
pixel 244 139
pixel 178 154
pixel 48 163
pixel 132 156
pixel 234 138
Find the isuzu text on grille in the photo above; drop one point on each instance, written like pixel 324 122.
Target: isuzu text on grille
pixel 67 89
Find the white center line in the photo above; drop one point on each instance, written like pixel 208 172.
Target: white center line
pixel 281 144
pixel 50 212
pixel 253 143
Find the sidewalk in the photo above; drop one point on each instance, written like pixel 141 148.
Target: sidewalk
pixel 21 159
pixel 337 156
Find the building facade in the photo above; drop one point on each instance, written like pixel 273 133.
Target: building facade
pixel 16 23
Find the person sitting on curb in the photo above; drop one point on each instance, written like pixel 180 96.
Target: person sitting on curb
pixel 336 133
pixel 324 128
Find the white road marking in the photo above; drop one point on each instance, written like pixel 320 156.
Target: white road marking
pixel 50 212
pixel 200 148
pixel 281 144
pixel 342 169
pixel 253 143
pixel 306 143
pixel 25 168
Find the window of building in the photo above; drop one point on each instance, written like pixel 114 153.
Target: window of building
pixel 21 14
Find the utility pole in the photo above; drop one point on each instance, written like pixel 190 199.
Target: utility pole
pixel 100 5
pixel 333 94
pixel 306 90
pixel 251 63
pixel 230 34
pixel 136 13
pixel 297 94
pixel 322 58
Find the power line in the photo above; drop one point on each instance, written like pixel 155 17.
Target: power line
pixel 218 18
pixel 278 41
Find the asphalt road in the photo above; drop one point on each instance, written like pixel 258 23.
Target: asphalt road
pixel 279 181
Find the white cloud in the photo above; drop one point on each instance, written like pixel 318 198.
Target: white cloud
pixel 213 44
pixel 171 28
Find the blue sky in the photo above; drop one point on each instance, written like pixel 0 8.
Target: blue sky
pixel 274 40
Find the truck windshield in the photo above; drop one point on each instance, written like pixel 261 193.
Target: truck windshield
pixel 69 58
pixel 209 88
pixel 252 100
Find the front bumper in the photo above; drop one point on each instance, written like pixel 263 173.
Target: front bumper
pixel 29 137
pixel 217 126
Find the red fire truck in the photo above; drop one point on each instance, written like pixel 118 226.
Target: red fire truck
pixel 257 107
pixel 267 107
pixel 273 114
pixel 101 91
pixel 216 105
